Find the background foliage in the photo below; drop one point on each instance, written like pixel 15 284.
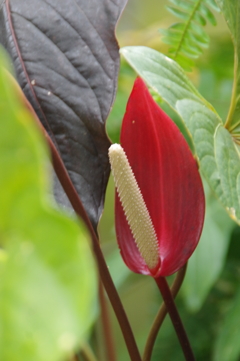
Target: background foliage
pixel 209 297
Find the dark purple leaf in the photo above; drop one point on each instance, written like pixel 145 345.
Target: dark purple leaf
pixel 66 60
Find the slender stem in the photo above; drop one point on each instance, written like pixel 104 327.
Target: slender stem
pixel 232 108
pixel 176 320
pixel 107 332
pixel 157 323
pixel 73 196
pixel 87 353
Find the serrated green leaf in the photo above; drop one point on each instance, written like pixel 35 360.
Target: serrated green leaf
pixel 227 346
pixel 209 255
pixel 217 153
pixel 231 13
pixel 48 280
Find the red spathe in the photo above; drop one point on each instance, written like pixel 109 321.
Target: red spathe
pixel 168 177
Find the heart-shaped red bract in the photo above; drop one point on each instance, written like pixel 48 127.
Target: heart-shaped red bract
pixel 168 177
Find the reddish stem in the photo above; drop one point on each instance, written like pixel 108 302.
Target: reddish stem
pixel 157 323
pixel 175 318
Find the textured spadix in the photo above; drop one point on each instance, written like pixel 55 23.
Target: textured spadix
pixel 169 181
pixel 134 207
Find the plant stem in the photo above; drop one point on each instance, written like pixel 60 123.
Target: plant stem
pixel 175 318
pixel 108 336
pixel 157 323
pixel 76 203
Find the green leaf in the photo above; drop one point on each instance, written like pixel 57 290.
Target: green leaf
pixel 231 12
pixel 163 74
pixel 227 345
pixel 206 263
pixel 215 149
pixel 48 281
pixel 217 153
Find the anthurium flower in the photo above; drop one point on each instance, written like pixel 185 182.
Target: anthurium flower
pixel 159 207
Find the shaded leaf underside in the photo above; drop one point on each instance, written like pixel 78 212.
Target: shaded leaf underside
pixel 66 60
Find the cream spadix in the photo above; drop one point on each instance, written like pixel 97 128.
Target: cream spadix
pixel 134 207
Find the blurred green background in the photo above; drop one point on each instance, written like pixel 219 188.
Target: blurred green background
pixel 209 300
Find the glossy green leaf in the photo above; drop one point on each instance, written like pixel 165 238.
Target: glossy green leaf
pixel 217 153
pixel 231 13
pixel 206 263
pixel 48 281
pixel 227 345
